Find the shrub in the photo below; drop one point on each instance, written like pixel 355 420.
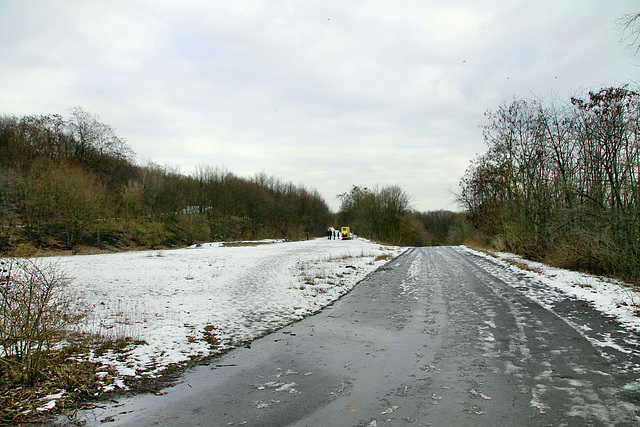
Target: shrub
pixel 149 233
pixel 35 306
pixel 191 228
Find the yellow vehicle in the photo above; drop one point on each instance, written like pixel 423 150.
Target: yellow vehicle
pixel 346 233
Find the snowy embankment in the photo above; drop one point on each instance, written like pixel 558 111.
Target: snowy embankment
pixel 611 297
pixel 203 300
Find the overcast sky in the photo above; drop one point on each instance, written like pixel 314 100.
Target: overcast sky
pixel 323 93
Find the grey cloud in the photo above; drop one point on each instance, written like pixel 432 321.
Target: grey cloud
pixel 322 93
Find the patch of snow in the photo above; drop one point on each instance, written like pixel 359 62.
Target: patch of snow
pixel 536 398
pixel 262 405
pixel 511 368
pixel 51 401
pixel 390 410
pixel 48 406
pixel 288 388
pixel 481 395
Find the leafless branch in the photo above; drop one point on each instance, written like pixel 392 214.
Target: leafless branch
pixel 629 25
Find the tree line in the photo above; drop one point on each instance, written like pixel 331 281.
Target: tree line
pixel 72 181
pixel 560 181
pixel 385 214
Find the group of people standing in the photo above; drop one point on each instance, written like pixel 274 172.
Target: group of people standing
pixel 333 234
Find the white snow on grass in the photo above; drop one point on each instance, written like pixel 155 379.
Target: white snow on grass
pixel 203 300
pixel 50 401
pixel 612 297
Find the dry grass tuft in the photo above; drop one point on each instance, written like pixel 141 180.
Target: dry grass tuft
pixel 523 266
pixel 234 244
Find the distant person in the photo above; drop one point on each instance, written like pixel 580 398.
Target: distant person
pixel 329 233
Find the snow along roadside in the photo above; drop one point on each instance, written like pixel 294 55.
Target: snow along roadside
pixel 205 299
pixel 609 296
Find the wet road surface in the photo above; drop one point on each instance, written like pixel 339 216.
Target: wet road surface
pixel 436 337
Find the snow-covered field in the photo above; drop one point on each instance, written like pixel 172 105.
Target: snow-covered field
pixel 205 299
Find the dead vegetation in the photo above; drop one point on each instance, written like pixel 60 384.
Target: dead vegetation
pixel 64 380
pixel 241 244
pixel 44 367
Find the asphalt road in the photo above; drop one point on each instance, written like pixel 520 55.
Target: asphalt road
pixel 433 338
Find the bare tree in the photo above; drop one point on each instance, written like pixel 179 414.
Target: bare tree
pixel 562 182
pixel 94 137
pixel 630 30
